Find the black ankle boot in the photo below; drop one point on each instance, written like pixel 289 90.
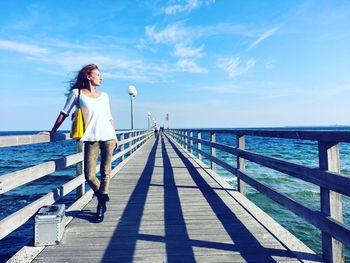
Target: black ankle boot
pixel 105 197
pixel 100 213
pixel 101 207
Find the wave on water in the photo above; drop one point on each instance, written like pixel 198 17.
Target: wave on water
pixel 230 180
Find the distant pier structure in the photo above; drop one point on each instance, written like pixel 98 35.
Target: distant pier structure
pixel 168 204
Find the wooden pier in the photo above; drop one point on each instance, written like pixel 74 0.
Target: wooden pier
pixel 167 206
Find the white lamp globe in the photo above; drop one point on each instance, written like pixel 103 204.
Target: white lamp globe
pixel 132 90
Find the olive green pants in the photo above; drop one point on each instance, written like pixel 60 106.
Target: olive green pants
pixel 91 150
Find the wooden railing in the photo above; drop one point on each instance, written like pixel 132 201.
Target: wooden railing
pixel 329 219
pixel 133 139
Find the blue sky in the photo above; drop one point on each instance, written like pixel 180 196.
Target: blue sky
pixel 208 63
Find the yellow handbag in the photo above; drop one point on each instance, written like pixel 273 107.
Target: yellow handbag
pixel 77 130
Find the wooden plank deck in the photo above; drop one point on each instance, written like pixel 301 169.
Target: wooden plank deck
pixel 168 207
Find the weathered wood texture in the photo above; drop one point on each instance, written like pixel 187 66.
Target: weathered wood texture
pixel 335 234
pixel 7 141
pixel 329 179
pixel 18 178
pixel 166 206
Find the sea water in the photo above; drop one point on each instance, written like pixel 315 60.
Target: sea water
pixel 295 151
pixel 303 152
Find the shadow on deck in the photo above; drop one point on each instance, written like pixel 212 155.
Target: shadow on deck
pixel 174 211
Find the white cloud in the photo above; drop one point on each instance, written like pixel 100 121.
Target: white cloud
pixel 27 49
pixel 143 45
pixel 173 33
pixel 186 6
pixel 186 51
pixel 177 32
pixel 127 76
pixel 235 67
pixel 182 39
pixel 190 65
pixel 264 36
pixel 113 65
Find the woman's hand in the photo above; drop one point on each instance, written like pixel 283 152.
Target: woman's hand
pixel 45 133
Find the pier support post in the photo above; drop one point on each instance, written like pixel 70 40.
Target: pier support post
pixel 199 145
pixel 241 186
pixel 212 151
pixel 331 202
pixel 80 191
pixel 191 142
pixel 186 140
pixel 122 147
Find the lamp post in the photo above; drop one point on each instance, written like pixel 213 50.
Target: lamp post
pixel 132 92
pixel 149 120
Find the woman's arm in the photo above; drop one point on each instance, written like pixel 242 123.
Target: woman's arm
pixel 70 102
pixel 61 117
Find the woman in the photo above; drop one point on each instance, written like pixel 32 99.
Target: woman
pixel 99 130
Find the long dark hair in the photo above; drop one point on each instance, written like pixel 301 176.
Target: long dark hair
pixel 81 80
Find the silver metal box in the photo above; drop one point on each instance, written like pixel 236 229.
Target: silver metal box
pixel 49 225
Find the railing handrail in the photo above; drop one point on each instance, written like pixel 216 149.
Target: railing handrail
pixel 330 180
pixel 17 140
pixel 18 218
pixel 314 135
pixel 327 175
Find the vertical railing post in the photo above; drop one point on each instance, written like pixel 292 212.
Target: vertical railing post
pixel 143 133
pixel 132 142
pixel 122 147
pixel 199 145
pixel 80 191
pixel 137 140
pixel 331 202
pixel 191 142
pixel 212 150
pixel 241 187
pixel 183 138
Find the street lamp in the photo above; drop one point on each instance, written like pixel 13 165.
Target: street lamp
pixel 132 92
pixel 149 120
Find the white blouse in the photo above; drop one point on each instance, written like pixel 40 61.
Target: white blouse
pixel 96 114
